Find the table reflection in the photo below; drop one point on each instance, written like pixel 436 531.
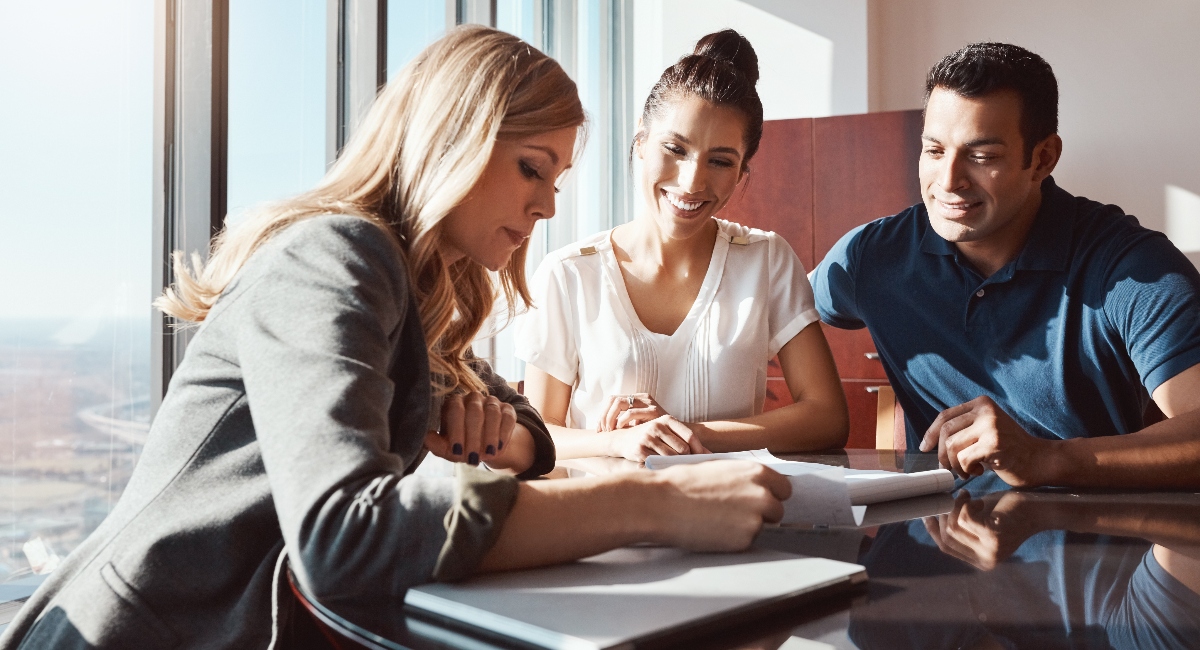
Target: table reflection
pixel 984 567
pixel 1037 569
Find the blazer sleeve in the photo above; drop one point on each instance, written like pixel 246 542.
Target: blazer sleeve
pixel 315 336
pixel 527 416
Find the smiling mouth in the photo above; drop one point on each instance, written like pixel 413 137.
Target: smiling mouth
pixel 685 207
pixel 957 207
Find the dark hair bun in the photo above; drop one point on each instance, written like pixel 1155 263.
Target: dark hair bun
pixel 733 48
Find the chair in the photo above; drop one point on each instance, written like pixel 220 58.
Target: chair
pixel 314 629
pixel 889 420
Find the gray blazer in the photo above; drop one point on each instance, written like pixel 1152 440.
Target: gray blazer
pixel 293 424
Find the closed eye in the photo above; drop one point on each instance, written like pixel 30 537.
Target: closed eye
pixel 529 172
pixel 673 149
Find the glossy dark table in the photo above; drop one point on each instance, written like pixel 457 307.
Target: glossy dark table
pixel 986 567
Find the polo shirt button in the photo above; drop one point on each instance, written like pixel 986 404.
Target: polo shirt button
pixel 979 294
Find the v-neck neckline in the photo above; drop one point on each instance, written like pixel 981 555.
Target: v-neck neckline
pixel 704 298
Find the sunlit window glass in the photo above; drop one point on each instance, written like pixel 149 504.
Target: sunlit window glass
pixel 277 100
pixel 76 177
pixel 411 25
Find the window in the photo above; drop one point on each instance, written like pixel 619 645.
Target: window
pixel 75 255
pixel 277 100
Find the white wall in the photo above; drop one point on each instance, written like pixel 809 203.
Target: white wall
pixel 1129 84
pixel 812 53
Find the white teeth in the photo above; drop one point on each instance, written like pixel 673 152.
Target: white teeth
pixel 683 205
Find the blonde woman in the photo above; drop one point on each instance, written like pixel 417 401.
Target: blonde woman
pixel 654 337
pixel 332 352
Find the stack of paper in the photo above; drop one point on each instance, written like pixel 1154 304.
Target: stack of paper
pixel 824 494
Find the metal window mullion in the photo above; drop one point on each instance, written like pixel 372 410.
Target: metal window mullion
pixel 618 82
pixel 480 12
pixel 191 81
pixel 358 48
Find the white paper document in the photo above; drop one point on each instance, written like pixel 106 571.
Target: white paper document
pixel 825 494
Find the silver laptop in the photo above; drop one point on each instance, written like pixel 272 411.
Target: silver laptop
pixel 631 596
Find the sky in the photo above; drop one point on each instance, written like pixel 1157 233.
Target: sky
pixel 76 137
pixel 75 166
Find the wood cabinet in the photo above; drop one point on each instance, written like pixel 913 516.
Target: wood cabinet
pixel 812 181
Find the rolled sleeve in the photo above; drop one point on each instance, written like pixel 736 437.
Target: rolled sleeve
pixel 791 307
pixel 482 501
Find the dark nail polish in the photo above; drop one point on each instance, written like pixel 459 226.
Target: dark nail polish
pixel 500 445
pixel 491 450
pixel 473 458
pixel 456 450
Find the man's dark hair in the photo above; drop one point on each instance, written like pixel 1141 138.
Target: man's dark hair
pixel 983 68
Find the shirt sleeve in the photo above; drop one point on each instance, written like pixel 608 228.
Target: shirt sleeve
pixel 546 335
pixel 833 282
pixel 313 336
pixel 1152 298
pixel 791 307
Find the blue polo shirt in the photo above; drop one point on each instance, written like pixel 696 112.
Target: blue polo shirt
pixel 1070 338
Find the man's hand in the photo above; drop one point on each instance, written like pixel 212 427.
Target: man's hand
pixel 983 532
pixel 621 411
pixel 663 435
pixel 978 436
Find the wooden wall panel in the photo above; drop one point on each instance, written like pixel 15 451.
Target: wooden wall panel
pixel 777 194
pixel 864 167
pixel 850 349
pixel 814 180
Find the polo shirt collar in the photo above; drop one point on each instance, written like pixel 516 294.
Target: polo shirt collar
pixel 931 242
pixel 1048 244
pixel 1046 247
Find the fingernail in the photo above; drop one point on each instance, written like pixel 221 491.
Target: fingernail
pixel 491 450
pixel 500 445
pixel 473 458
pixel 456 449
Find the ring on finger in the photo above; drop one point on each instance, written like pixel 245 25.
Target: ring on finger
pixel 629 400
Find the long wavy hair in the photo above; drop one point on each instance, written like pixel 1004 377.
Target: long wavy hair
pixel 420 150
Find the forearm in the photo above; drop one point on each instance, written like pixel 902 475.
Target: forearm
pixel 517 455
pixel 559 521
pixel 1162 523
pixel 803 426
pixel 579 443
pixel 1165 455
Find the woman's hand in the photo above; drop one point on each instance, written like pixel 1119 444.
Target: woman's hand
pixel 621 411
pixel 663 435
pixel 719 505
pixel 475 427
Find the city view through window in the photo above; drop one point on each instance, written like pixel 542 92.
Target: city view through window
pixel 76 172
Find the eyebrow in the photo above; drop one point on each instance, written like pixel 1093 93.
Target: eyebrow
pixel 729 150
pixel 547 150
pixel 973 143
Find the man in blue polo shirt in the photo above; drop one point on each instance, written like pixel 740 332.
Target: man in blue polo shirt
pixel 1025 330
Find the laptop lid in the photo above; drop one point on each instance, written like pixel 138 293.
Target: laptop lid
pixel 630 597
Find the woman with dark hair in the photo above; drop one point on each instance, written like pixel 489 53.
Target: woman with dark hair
pixel 654 337
pixel 333 354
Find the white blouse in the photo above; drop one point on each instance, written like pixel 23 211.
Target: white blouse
pixel 583 330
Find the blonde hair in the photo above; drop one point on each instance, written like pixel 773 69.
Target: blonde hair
pixel 420 150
